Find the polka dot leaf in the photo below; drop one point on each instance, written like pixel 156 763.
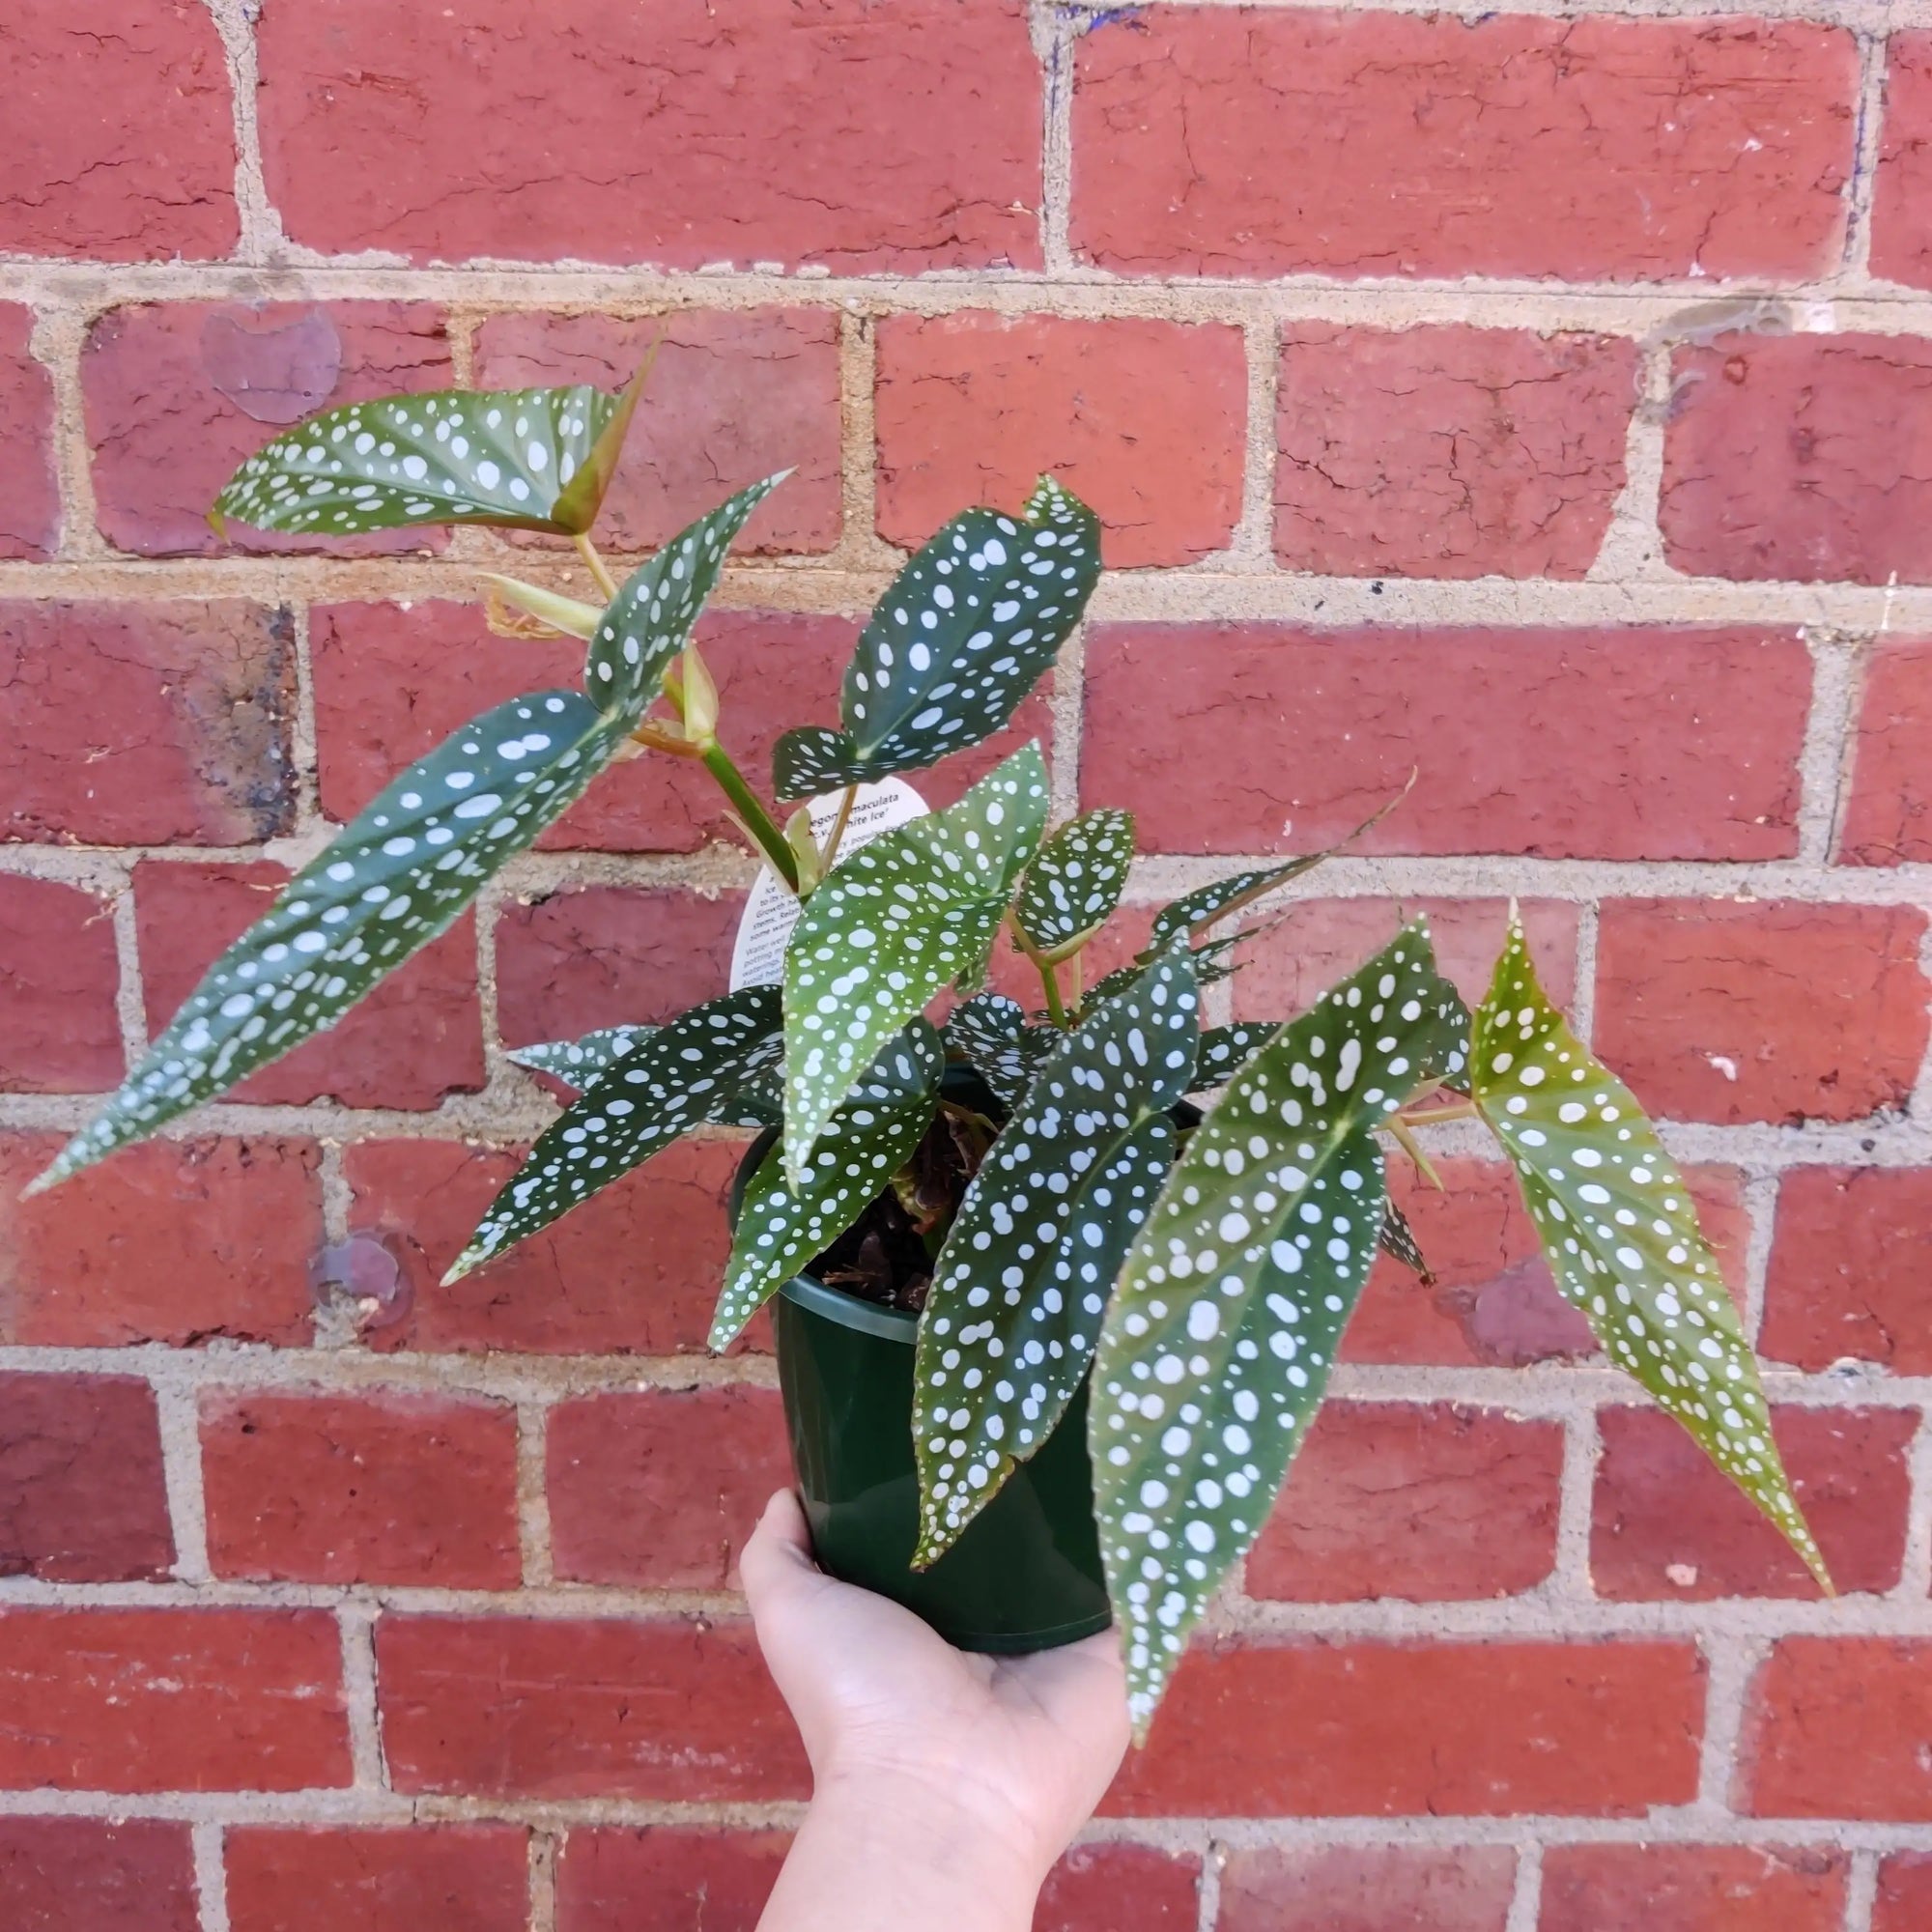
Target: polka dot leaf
pixel 966 630
pixel 397 877
pixel 1621 1236
pixel 1398 1240
pixel 992 1033
pixel 872 1135
pixel 1020 1287
pixel 1223 1327
pixel 1221 899
pixel 649 620
pixel 524 458
pixel 700 1070
pixel 896 921
pixel 1075 881
pixel 581 1060
pixel 1225 1050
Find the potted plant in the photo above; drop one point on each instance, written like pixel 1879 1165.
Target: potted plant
pixel 1059 1289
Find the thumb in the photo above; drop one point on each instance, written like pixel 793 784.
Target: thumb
pixel 778 1558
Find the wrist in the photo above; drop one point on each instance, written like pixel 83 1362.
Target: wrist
pixel 949 1822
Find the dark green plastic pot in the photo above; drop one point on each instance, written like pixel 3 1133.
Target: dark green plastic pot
pixel 1026 1573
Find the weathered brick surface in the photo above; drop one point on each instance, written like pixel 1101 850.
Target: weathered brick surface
pixel 29 498
pixel 855 137
pixel 1889 815
pixel 57 1874
pixel 389 1487
pixel 1582 744
pixel 1728 1010
pixel 159 724
pixel 1801 456
pixel 1901 231
pixel 1904 1898
pixel 732 396
pixel 82 1496
pixel 178 393
pixel 59 975
pixel 1363 1889
pixel 1448 451
pixel 457 1878
pixel 1836 1727
pixel 121 136
pixel 1143 421
pixel 1251 142
pixel 1692 1889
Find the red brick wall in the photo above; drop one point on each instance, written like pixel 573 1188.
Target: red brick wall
pixel 1543 402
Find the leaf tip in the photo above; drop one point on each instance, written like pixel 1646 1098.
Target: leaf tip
pixel 467 1262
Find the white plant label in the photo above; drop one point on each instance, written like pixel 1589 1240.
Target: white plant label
pixel 757 959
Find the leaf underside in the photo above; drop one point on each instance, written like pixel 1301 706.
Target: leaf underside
pixel 966 630
pixel 1223 1327
pixel 1618 1227
pixel 1398 1240
pixel 1019 1289
pixel 872 1135
pixel 1075 880
pixel 896 921
pixel 999 1044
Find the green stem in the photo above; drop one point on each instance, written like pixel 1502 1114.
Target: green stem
pixel 756 819
pixel 596 566
pixel 1049 980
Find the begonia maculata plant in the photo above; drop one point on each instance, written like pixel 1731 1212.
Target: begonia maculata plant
pixel 1185 1213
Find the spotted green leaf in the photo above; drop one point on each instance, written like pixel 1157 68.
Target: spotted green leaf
pixel 1398 1240
pixel 529 459
pixel 1211 963
pixel 993 1034
pixel 1621 1236
pixel 1203 906
pixel 963 634
pixel 872 1135
pixel 649 620
pixel 892 922
pixel 1075 880
pixel 1222 1329
pixel 1225 1050
pixel 398 876
pixel 1019 1289
pixel 701 1069
pixel 581 1060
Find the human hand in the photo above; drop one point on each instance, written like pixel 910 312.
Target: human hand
pixel 1014 1751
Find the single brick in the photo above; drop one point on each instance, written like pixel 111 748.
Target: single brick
pixel 87 1875
pixel 733 395
pixel 1493 1304
pixel 1904 1902
pixel 1119 1889
pixel 1836 1727
pixel 82 1496
pixel 383 1487
pixel 1367 1888
pixel 1285 968
pixel 1667 1524
pixel 567 1708
pixel 635 1270
pixel 1252 142
pixel 176 1241
pixel 1145 420
pixel 1729 1010
pixel 610 956
pixel 1425 1501
pixel 120 132
pixel 159 724
pixel 662 1487
pixel 416 1040
pixel 1901 246
pixel 1423 1728
pixel 171 1700
pixel 440 1878
pixel 1847 1278
pixel 861 135
pixel 1448 451
pixel 1573 743
pixel 1692 1889
pixel 179 393
pixel 1888 816
pixel 1807 457
pixel 29 494
pixel 60 977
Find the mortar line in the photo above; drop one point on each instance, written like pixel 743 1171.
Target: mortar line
pixel 859 540
pixel 1733 1662
pixel 1825 747
pixel 357 1619
pixel 1861 188
pixel 1570 1575
pixel 543 1850
pixel 211 1875
pixel 178 1413
pixel 1584 1001
pixel 1760 1204
pixel 1914 1574
pixel 533 1537
pixel 260 237
pixel 1864 16
pixel 1526 1900
pixel 1053 33
pixel 1213 1861
pixel 129 994
pixel 1862 1889
pixel 1252 545
pixel 1632 544
pixel 56 341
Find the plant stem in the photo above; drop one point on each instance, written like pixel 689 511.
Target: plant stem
pixel 596 565
pixel 829 857
pixel 1049 980
pixel 757 820
pixel 1409 1145
pixel 1436 1116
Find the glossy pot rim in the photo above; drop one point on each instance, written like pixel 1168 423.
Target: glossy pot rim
pixel 848 1311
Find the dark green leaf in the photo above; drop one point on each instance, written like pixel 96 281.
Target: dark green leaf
pixel 398 876
pixel 1019 1289
pixel 1075 880
pixel 965 631
pixel 1226 1049
pixel 1398 1239
pixel 581 1060
pixel 507 457
pixel 897 920
pixel 1617 1225
pixel 992 1031
pixel 872 1135
pixel 1222 1330
pixel 692 1073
